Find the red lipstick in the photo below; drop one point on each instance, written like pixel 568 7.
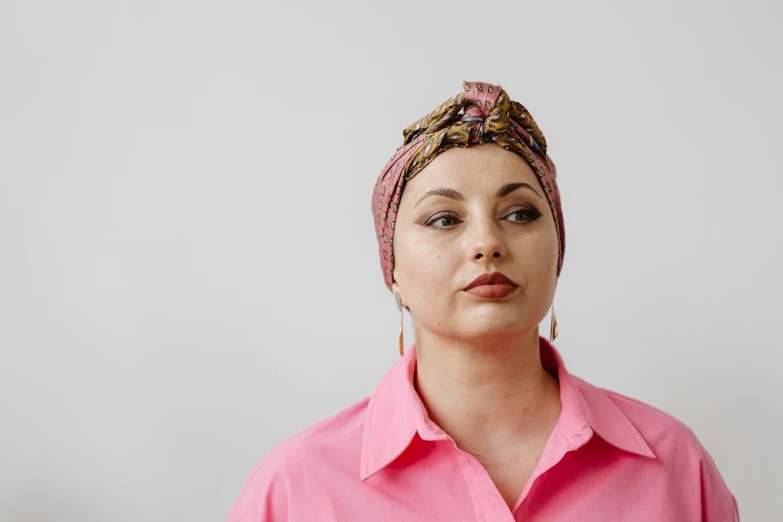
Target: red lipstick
pixel 491 286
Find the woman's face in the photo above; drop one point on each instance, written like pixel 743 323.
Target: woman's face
pixel 441 244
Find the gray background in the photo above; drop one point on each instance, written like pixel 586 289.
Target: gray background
pixel 188 266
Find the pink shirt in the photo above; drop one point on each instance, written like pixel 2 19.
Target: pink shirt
pixel 610 458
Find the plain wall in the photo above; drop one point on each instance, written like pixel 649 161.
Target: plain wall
pixel 188 265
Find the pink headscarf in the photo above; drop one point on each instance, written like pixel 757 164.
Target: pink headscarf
pixel 488 116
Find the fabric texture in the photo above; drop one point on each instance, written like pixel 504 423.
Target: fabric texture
pixel 609 458
pixel 481 113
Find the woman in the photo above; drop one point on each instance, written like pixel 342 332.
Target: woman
pixel 480 420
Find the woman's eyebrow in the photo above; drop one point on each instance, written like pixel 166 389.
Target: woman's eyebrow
pixel 505 190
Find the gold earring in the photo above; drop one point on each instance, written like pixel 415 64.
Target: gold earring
pixel 553 328
pixel 399 305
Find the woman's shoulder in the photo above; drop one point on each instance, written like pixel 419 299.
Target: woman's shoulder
pixel 336 433
pixel 326 449
pixel 324 452
pixel 679 454
pixel 675 445
pixel 661 429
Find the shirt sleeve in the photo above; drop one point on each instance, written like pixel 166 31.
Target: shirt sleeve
pixel 264 496
pixel 732 511
pixel 718 503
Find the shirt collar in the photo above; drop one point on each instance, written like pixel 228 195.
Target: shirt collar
pixel 395 413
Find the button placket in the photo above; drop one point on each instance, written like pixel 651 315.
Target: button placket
pixel 487 500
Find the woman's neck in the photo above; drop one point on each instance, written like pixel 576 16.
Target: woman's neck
pixel 487 397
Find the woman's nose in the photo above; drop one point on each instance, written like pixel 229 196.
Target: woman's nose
pixel 486 239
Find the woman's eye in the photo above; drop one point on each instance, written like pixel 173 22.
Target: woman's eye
pixel 439 218
pixel 531 214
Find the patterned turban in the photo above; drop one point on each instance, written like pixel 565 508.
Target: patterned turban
pixel 488 115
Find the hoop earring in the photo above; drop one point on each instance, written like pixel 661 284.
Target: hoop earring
pixel 553 327
pixel 399 305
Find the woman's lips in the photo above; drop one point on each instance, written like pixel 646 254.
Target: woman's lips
pixel 491 291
